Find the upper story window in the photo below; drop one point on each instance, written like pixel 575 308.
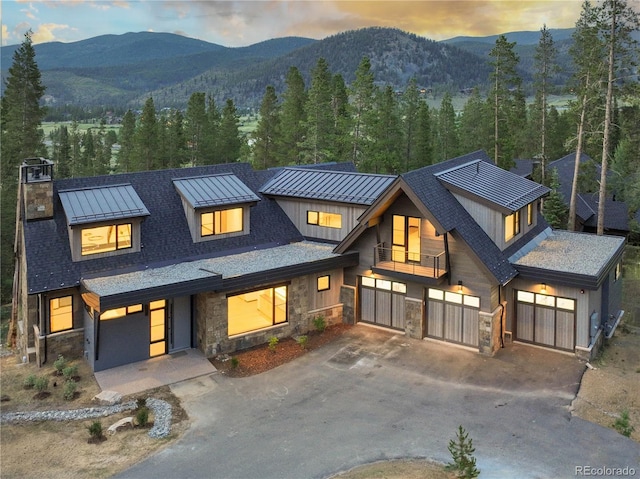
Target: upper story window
pixel 103 221
pixel 102 239
pixel 221 222
pixel 512 226
pixel 529 214
pixel 60 314
pixel 321 218
pixel 216 206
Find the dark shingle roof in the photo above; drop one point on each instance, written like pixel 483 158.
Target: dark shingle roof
pixel 340 186
pixel 88 205
pixel 492 184
pixel 453 217
pixel 214 190
pixel 164 234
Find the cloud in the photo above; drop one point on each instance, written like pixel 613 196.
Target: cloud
pixel 45 32
pixel 6 35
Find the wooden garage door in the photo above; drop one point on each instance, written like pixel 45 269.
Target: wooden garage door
pixel 382 302
pixel 453 317
pixel 545 320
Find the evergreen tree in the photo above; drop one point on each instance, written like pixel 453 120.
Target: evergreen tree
pixel 292 119
pixel 362 94
pixel 475 124
pixel 210 151
pixel 341 119
pixel 559 129
pixel 317 145
pixel 505 94
pixel 146 138
pixel 423 137
pixel 386 135
pixel 229 138
pixel 461 449
pixel 410 124
pixel 127 143
pixel 555 210
pixel 88 155
pixel 176 142
pixel 267 131
pixel 102 151
pixel 447 146
pixel 62 155
pixel 75 140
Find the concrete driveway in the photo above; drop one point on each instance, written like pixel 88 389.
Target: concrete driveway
pixel 373 395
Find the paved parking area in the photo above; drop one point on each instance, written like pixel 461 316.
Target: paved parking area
pixel 373 395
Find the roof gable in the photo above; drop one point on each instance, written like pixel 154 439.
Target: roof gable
pixel 214 190
pixel 490 184
pixel 338 186
pixel 91 205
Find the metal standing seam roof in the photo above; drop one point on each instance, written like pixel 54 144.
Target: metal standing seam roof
pixel 340 186
pixel 493 184
pixel 214 190
pixel 90 205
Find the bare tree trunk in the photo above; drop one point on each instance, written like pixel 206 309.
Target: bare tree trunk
pixel 576 167
pixel 607 126
pixel 496 113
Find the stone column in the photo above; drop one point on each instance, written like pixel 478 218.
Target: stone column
pixel 348 300
pixel 489 330
pixel 413 318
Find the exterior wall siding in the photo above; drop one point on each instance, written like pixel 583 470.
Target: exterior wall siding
pixel 296 210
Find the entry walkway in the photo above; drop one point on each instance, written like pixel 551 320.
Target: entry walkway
pixel 161 371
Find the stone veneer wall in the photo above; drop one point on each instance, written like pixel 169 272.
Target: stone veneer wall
pixel 348 300
pixel 68 344
pixel 489 326
pixel 413 325
pixel 212 320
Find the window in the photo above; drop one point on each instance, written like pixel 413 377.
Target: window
pixel 324 283
pixel 157 316
pixel 221 222
pixel 511 226
pixel 617 272
pixel 405 239
pixel 120 312
pixel 320 218
pixel 103 239
pixel 529 214
pixel 255 310
pixel 60 314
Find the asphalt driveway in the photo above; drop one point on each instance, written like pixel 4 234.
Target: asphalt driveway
pixel 373 395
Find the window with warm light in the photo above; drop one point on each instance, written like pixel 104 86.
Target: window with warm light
pixel 511 226
pixel 102 239
pixel 324 283
pixel 60 314
pixel 255 310
pixel 157 324
pixel 321 218
pixel 120 312
pixel 529 214
pixel 221 222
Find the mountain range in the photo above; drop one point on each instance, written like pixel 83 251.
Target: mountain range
pixel 124 70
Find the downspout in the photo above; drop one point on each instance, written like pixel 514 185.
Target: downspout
pixel 502 313
pixel 446 256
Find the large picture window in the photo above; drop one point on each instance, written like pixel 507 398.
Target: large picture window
pixel 60 314
pixel 103 239
pixel 221 222
pixel 256 310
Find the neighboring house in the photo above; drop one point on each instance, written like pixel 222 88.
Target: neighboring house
pixel 457 252
pixel 616 213
pixel 121 268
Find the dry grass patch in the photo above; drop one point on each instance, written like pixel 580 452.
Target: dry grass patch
pixel 399 469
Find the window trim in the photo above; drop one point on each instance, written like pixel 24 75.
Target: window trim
pixel 217 219
pixel 51 309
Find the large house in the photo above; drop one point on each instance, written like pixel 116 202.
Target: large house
pixel 121 268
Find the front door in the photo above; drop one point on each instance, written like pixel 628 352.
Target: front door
pixel 180 324
pixel 406 239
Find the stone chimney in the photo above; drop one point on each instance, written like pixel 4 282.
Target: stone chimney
pixel 36 181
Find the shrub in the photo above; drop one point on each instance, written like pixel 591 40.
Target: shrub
pixel 461 449
pixel 235 362
pixel 302 341
pixel 622 424
pixel 41 383
pixel 273 342
pixel 95 430
pixel 30 381
pixel 60 364
pixel 69 372
pixel 142 416
pixel 69 390
pixel 319 323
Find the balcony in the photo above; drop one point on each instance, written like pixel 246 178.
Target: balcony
pixel 407 263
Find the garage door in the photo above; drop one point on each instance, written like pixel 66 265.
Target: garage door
pixel 545 320
pixel 452 317
pixel 382 302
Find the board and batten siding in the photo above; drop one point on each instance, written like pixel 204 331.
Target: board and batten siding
pixel 297 210
pixel 330 297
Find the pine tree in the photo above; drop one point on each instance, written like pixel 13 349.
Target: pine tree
pixel 555 210
pixel 424 136
pixel 410 110
pixel 146 138
pixel 386 136
pixel 341 119
pixel 447 130
pixel 229 139
pixel 176 142
pixel 316 147
pixel 505 94
pixel 461 449
pixel 197 125
pixel 475 124
pixel 127 143
pixel 210 151
pixel 267 131
pixel 362 94
pixel 292 118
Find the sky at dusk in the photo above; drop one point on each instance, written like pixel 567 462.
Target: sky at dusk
pixel 241 23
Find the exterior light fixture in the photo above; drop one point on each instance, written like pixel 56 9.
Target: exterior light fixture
pixel 543 290
pixel 459 286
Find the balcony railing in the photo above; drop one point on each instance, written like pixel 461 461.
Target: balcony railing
pixel 401 261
